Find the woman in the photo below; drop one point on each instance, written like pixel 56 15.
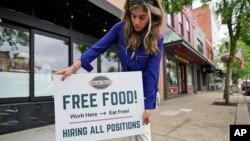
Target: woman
pixel 139 47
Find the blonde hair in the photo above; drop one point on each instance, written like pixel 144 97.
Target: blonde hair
pixel 150 33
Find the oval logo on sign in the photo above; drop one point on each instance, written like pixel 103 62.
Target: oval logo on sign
pixel 100 82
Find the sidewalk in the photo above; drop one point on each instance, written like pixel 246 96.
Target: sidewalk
pixel 187 118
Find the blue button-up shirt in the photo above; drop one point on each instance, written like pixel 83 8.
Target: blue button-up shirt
pixel 130 61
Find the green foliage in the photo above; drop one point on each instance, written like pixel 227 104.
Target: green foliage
pixel 13 37
pixel 223 49
pixel 237 71
pixel 174 6
pixel 235 12
pixel 245 34
pixel 81 47
pixel 112 69
pixel 111 54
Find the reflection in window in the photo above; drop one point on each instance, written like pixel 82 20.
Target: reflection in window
pixel 77 50
pixel 50 55
pixel 171 72
pixel 200 46
pixel 189 76
pixel 14 63
pixel 170 20
pixel 188 29
pixel 110 61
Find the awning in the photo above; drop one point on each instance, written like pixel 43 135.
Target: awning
pixel 175 44
pixel 171 37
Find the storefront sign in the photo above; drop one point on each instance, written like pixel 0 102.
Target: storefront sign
pixel 98 106
pixel 181 59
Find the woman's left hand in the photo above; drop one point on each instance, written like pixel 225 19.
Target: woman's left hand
pixel 147 116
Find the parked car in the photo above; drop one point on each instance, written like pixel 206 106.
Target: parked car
pixel 247 88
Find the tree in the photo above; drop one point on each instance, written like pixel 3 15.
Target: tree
pixel 112 56
pixel 235 14
pixel 13 37
pixel 81 47
pixel 245 34
pixel 173 6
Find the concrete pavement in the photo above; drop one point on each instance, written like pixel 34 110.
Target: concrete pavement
pixel 193 117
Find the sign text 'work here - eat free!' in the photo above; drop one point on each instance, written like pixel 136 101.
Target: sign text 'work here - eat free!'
pixel 97 106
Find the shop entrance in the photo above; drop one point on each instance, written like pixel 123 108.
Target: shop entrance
pixel 198 80
pixel 182 78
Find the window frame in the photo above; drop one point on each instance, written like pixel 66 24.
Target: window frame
pixel 180 21
pixel 40 32
pixel 19 99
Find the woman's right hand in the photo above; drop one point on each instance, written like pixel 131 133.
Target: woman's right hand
pixel 69 70
pixel 65 72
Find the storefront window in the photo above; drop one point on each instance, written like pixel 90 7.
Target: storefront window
pixel 14 62
pixel 189 76
pixel 77 50
pixel 110 61
pixel 51 55
pixel 171 72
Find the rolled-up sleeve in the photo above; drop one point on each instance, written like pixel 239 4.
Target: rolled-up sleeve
pixel 100 46
pixel 151 77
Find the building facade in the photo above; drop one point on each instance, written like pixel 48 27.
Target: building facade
pixel 186 61
pixel 38 37
pixel 209 23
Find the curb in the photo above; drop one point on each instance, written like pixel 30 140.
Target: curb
pixel 242 115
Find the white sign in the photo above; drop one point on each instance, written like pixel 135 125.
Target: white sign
pixel 98 106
